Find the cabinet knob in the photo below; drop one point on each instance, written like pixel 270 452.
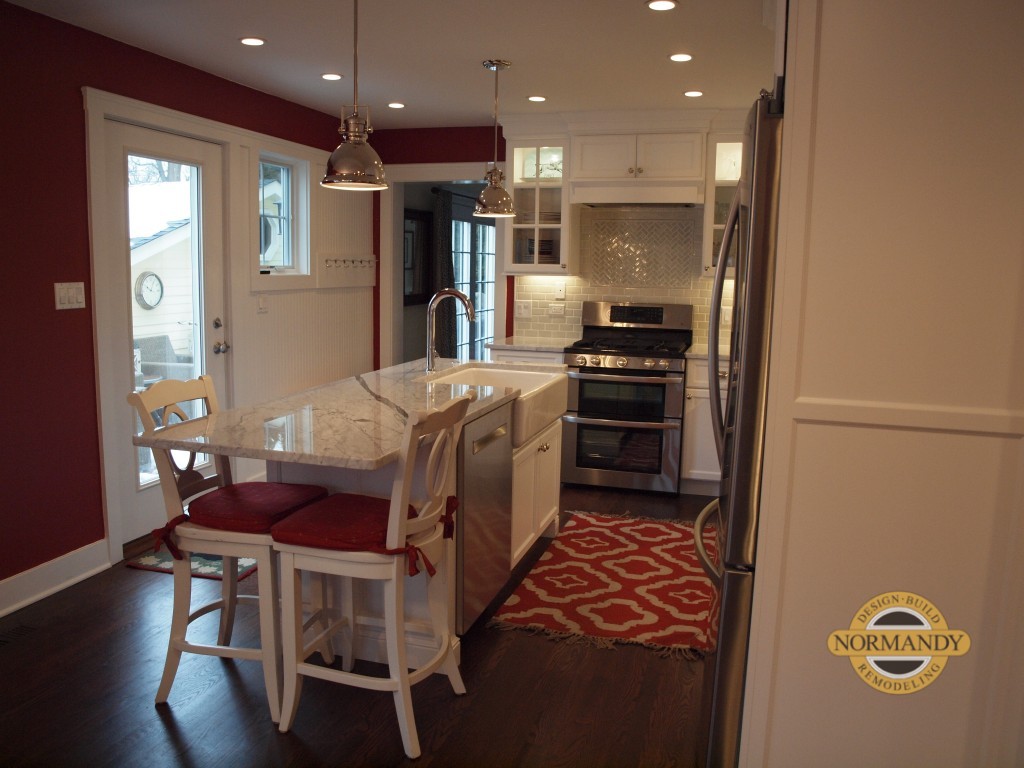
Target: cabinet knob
pixel 544 447
pixel 639 170
pixel 631 171
pixel 689 396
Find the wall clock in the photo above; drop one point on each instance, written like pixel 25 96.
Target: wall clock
pixel 149 290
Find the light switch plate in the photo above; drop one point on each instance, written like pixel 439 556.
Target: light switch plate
pixel 69 295
pixel 523 308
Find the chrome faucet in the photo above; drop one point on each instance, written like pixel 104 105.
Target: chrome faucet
pixel 432 311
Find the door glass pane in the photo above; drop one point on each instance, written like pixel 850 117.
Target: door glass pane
pixel 473 246
pixel 164 235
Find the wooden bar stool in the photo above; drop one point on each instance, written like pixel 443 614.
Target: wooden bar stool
pixel 212 515
pixel 364 537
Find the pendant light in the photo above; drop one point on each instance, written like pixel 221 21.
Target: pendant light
pixel 494 202
pixel 354 165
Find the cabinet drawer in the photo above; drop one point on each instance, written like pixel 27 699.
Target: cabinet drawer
pixel 697 373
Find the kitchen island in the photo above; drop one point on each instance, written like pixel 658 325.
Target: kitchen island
pixel 355 423
pixel 346 436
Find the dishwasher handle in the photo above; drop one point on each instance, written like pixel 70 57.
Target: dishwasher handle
pixel 482 443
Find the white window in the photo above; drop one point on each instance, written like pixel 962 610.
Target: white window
pixel 282 223
pixel 275 201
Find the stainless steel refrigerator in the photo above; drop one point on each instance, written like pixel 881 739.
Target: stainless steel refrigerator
pixel 747 256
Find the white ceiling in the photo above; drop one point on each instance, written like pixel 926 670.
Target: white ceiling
pixel 583 55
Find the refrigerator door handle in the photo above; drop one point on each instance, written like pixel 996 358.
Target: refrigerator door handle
pixel 712 569
pixel 715 394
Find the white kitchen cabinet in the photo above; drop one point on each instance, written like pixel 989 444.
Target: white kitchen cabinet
pixel 700 457
pixel 536 484
pixel 723 172
pixel 639 157
pixel 539 238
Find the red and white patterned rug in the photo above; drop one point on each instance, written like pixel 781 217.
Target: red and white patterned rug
pixel 608 580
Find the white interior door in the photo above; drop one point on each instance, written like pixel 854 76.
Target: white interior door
pixel 160 309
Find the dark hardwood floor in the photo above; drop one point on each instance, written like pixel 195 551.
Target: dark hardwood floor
pixel 78 672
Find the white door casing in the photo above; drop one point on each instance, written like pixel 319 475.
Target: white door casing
pixel 132 512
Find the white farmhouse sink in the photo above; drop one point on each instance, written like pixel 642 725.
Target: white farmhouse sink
pixel 543 396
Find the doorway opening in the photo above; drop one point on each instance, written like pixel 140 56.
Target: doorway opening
pixel 447 231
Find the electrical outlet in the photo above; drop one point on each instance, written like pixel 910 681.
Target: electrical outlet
pixel 556 309
pixel 523 308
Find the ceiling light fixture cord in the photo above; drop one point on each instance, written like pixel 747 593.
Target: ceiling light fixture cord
pixel 496 70
pixel 355 56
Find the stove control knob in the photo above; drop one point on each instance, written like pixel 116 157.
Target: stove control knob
pixel 648 363
pixel 581 360
pixel 622 362
pixel 663 364
pixel 595 360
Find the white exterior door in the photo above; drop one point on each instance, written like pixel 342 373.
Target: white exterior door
pixel 160 308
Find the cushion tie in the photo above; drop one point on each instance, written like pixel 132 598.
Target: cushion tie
pixel 448 518
pixel 413 553
pixel 163 535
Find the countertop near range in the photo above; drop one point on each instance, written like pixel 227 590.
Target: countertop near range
pixel 523 343
pixel 700 352
pixel 356 423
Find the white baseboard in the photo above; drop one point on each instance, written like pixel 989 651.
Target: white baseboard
pixel 44 580
pixel 369 641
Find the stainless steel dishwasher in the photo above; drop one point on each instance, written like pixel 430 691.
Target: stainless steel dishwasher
pixel 484 517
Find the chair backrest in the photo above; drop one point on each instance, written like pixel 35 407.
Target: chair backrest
pixel 425 472
pixel 168 402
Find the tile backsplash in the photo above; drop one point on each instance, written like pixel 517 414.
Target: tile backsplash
pixel 640 254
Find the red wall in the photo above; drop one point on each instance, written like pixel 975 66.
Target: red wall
pixel 51 469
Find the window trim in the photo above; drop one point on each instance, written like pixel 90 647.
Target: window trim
pixel 301 274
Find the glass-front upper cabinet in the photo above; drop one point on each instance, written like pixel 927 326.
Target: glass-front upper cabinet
pixel 725 156
pixel 539 235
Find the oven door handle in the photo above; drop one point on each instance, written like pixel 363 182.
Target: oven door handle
pixel 662 425
pixel 626 379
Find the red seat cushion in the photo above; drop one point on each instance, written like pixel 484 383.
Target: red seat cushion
pixel 251 507
pixel 343 521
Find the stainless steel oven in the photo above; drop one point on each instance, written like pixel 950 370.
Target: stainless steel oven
pixel 624 423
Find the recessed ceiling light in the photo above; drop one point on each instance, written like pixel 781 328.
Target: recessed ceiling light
pixel 536 98
pixel 252 41
pixel 681 57
pixel 661 5
pixel 331 76
pixel 396 105
pixel 693 94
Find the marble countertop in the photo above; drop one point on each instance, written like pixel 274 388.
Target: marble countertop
pixel 356 423
pixel 532 343
pixel 700 351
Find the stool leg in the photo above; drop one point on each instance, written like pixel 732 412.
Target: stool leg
pixel 394 626
pixel 229 594
pixel 320 601
pixel 182 603
pixel 270 628
pixel 291 641
pixel 437 601
pixel 348 615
